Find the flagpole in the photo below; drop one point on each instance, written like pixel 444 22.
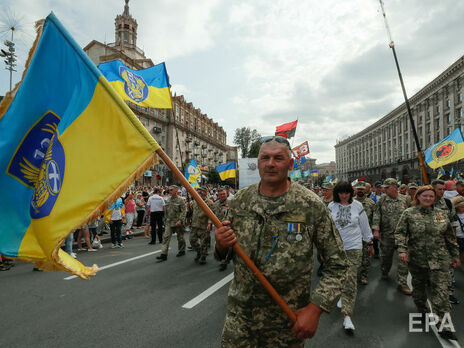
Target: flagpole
pixel 416 138
pixel 237 248
pixel 295 131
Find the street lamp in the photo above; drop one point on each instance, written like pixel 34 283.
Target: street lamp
pixel 10 60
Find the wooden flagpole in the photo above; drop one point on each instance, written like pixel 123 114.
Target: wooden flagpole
pixel 237 248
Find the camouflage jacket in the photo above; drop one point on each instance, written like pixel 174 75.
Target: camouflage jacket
pixel 368 205
pixel 221 209
pixel 387 211
pixel 408 201
pixel 199 218
pixel 426 235
pixel 441 204
pixel 175 210
pixel 278 233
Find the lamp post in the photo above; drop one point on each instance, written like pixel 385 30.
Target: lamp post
pixel 10 57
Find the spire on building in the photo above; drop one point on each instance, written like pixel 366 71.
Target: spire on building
pixel 125 29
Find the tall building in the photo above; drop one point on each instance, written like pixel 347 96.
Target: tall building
pixel 184 132
pixel 387 148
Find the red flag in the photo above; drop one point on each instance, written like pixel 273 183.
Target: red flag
pixel 301 150
pixel 362 179
pixel 287 130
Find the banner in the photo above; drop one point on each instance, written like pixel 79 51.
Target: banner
pixel 248 173
pixel 301 150
pixel 449 150
pixel 192 172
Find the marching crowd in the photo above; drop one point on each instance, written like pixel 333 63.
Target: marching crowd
pixel 422 224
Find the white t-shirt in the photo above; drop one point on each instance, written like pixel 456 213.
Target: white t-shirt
pixel 352 224
pixel 459 231
pixel 156 203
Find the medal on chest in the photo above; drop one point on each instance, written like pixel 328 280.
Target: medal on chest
pixel 294 232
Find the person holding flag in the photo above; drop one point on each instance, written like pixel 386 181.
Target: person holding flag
pixel 291 220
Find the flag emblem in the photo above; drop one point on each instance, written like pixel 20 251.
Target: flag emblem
pixel 443 151
pixel 134 85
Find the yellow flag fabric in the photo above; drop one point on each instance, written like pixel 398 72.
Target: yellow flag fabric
pixel 69 145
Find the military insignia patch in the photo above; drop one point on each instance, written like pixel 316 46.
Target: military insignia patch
pixel 41 169
pixel 444 150
pixel 134 85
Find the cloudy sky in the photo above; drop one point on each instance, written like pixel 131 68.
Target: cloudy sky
pixel 261 63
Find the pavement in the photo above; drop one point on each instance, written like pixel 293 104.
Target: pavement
pixel 135 302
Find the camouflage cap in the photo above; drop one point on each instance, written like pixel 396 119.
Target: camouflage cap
pixel 458 201
pixel 360 185
pixel 413 185
pixel 317 187
pixel 173 187
pixel 328 186
pixel 389 181
pixel 202 188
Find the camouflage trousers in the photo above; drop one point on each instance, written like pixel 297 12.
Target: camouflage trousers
pixel 168 231
pixel 200 240
pixel 438 289
pixel 242 331
pixel 363 270
pixel 387 250
pixel 350 289
pixel 451 281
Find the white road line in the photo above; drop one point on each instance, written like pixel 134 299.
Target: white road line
pixel 208 292
pixel 119 263
pixel 444 343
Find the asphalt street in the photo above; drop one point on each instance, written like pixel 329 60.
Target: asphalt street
pixel 135 302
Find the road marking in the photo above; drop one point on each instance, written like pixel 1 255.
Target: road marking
pixel 208 292
pixel 119 263
pixel 444 343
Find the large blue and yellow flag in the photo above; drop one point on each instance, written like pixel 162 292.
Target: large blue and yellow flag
pixel 450 149
pixel 147 87
pixel 68 145
pixel 227 170
pixel 192 172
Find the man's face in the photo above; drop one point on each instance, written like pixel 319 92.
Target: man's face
pixel 316 191
pixel 412 192
pixel 222 195
pixel 439 190
pixel 403 189
pixel 460 189
pixel 173 192
pixel 360 192
pixel 274 162
pixel 368 189
pixel 328 193
pixel 202 194
pixel 378 190
pixel 392 190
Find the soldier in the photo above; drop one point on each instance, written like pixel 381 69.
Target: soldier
pixel 175 216
pixel 387 211
pixel 277 222
pixel 404 189
pixel 317 190
pixel 368 205
pixel 412 189
pixel 446 205
pixel 221 209
pixel 327 192
pixel 460 187
pixel 427 244
pixel 200 228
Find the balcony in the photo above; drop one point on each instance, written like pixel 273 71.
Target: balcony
pixel 156 130
pixel 188 140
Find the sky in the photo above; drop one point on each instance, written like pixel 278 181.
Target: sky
pixel 261 63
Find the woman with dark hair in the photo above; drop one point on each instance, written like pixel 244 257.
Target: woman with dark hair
pixel 426 242
pixel 352 224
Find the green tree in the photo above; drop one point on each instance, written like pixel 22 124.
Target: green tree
pixel 248 141
pixel 213 176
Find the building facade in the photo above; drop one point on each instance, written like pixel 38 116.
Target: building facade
pixel 387 147
pixel 184 132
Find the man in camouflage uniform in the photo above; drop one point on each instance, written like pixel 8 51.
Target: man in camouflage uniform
pixel 412 189
pixel 175 218
pixel 446 205
pixel 200 228
pixel 327 192
pixel 387 212
pixel 426 242
pixel 221 209
pixel 368 205
pixel 277 222
pixel 404 189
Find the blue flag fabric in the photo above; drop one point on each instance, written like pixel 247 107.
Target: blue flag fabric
pixel 298 162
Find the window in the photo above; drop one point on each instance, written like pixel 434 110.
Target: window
pixel 448 104
pixel 126 37
pixel 448 119
pixel 437 124
pixel 437 109
pixel 459 97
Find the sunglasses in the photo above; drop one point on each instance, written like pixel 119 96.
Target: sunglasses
pixel 278 139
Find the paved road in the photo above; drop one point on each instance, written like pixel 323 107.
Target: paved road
pixel 139 304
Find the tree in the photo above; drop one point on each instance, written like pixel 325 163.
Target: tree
pixel 213 176
pixel 248 141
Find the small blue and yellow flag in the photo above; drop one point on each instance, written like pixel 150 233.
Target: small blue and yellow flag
pixel 148 87
pixel 69 144
pixel 192 172
pixel 227 170
pixel 314 172
pixel 449 150
pixel 298 162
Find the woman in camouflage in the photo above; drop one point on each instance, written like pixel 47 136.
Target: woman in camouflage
pixel 427 243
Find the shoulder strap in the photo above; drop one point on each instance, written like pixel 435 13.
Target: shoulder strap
pixel 448 204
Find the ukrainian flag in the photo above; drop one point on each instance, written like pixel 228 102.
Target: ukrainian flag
pixel 68 145
pixel 148 87
pixel 450 149
pixel 227 170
